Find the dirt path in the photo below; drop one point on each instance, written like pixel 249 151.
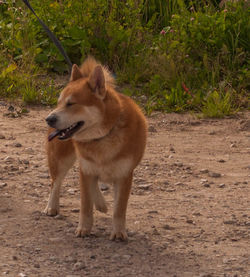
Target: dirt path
pixel 188 214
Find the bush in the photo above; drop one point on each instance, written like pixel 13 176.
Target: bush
pixel 177 53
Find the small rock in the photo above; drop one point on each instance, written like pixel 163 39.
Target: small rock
pixel 222 186
pixel 179 184
pixel 204 170
pixel 229 222
pixel 29 150
pixel 37 265
pixel 78 266
pixel 179 164
pixel 144 187
pixel 71 191
pixel 18 144
pixel 167 227
pixel 126 257
pixel 22 275
pixel 2 185
pixel 153 212
pixel 171 149
pixel 70 259
pixel 233 145
pixel 214 174
pixel 190 221
pixel 204 181
pixel 59 216
pixel 2 136
pixel 152 129
pixel 9 159
pixel 206 185
pixel 75 210
pixel 14 258
pixel 104 187
pixel 221 161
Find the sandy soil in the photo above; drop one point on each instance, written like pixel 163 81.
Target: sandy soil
pixel 188 214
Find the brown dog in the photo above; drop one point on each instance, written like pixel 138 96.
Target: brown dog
pixel 106 132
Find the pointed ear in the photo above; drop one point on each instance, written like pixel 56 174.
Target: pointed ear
pixel 97 82
pixel 75 73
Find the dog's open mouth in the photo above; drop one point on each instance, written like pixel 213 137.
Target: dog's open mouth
pixel 66 133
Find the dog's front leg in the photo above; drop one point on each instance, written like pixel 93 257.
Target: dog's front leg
pixel 87 202
pixel 122 191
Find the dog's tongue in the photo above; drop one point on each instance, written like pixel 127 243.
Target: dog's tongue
pixel 53 134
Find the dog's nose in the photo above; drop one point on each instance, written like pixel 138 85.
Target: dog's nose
pixel 51 120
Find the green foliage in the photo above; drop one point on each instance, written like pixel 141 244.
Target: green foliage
pixel 174 52
pixel 218 105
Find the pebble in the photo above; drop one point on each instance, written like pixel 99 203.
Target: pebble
pixel 214 174
pixel 179 184
pixel 222 186
pixel 29 150
pixel 70 259
pixel 9 159
pixel 2 185
pixel 144 187
pixel 22 274
pixel 171 149
pixel 179 164
pixel 204 170
pixel 167 227
pixel 233 145
pixel 104 187
pixel 2 136
pixel 37 265
pixel 190 221
pixel 78 266
pixel 59 216
pixel 126 257
pixel 221 161
pixel 18 144
pixel 75 210
pixel 206 185
pixel 152 129
pixel 71 191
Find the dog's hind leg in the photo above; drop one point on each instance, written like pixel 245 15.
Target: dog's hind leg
pixel 61 157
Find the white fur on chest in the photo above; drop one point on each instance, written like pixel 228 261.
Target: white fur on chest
pixel 108 172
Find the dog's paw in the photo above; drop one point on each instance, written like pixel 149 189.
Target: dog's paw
pixel 119 235
pixel 82 232
pixel 51 211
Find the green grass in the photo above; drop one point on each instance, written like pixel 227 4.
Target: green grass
pixel 181 55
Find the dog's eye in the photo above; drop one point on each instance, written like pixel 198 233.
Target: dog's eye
pixel 68 104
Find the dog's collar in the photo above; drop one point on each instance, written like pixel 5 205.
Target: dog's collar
pixel 109 132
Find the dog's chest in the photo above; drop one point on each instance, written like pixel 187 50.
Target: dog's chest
pixel 107 172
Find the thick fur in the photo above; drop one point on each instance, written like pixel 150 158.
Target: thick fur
pixel 108 146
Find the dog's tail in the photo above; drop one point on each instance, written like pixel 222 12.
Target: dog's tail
pixel 90 63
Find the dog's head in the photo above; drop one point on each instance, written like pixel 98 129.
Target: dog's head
pixel 80 109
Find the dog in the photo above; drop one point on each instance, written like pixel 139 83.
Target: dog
pixel 106 132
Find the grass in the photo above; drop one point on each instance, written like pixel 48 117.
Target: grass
pixel 180 55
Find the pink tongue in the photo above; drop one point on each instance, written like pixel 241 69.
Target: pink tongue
pixel 53 134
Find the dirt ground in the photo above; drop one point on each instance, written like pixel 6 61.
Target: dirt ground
pixel 188 213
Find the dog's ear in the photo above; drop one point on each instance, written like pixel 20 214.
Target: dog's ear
pixel 97 82
pixel 75 73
